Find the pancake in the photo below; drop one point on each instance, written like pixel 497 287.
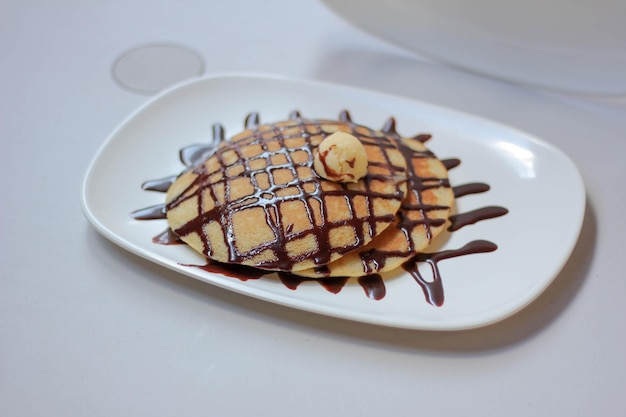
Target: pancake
pixel 257 200
pixel 421 218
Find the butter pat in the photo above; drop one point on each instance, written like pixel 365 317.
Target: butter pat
pixel 341 157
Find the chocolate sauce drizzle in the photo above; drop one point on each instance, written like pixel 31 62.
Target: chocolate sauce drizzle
pixel 373 284
pixel 308 190
pixel 155 212
pixel 160 185
pixel 417 185
pixel 463 219
pixel 473 188
pixel 167 237
pixel 433 289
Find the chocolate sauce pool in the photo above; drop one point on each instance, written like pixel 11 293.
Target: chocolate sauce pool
pixel 373 284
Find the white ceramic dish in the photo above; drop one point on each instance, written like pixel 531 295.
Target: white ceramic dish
pixel 569 46
pixel 527 176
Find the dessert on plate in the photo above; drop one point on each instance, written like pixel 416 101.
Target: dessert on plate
pixel 316 198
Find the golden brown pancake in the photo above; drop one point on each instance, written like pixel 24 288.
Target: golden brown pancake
pixel 257 200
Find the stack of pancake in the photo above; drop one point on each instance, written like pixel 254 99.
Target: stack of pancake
pixel 257 200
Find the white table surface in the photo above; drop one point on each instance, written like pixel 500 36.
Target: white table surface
pixel 87 329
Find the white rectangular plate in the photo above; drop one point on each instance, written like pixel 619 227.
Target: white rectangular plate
pixel 529 177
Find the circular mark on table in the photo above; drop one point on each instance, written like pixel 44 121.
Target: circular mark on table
pixel 150 68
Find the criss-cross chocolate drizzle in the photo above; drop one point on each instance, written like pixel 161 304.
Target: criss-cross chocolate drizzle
pixel 374 259
pixel 311 190
pixel 372 284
